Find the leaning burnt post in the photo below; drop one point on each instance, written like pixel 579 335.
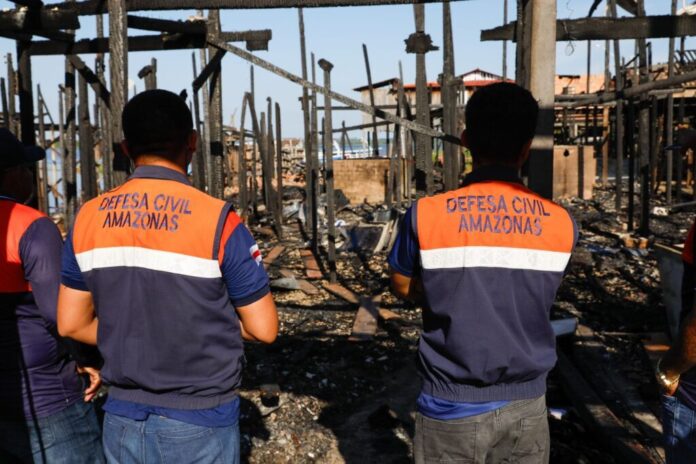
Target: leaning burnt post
pixel 449 102
pixel 669 116
pixel 118 65
pixel 42 188
pixel 279 174
pixel 266 177
pixel 420 43
pixel 5 111
pixel 243 202
pixel 104 115
pixel 375 134
pixel 329 173
pixel 88 169
pixel 306 120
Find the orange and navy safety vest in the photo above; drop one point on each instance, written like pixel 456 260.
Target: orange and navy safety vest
pixel 491 257
pixel 17 219
pixel 37 377
pixel 149 252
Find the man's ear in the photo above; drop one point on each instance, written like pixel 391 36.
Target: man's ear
pixel 192 141
pixel 524 156
pixel 126 149
pixel 465 139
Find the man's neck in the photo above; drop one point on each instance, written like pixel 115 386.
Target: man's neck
pixel 153 161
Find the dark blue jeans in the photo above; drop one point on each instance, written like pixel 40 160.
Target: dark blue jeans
pixel 69 436
pixel 161 440
pixel 679 429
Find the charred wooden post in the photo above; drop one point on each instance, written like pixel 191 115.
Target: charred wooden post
pixel 105 124
pixel 118 64
pixel 607 85
pixel 505 42
pixel 315 162
pixel 256 149
pixel 449 102
pixel 65 156
pixel 644 132
pixel 306 120
pixel 523 33
pixel 375 135
pixel 541 84
pixel 5 110
pixel 631 154
pixel 241 161
pixel 12 91
pixel 619 112
pixel 420 43
pixel 266 175
pixel 88 169
pixel 206 135
pixel 270 156
pixel 198 167
pixel 669 118
pixel 654 141
pixel 406 143
pixel 26 97
pixel 216 143
pixel 42 187
pixel 279 173
pixel 329 174
pixel 70 146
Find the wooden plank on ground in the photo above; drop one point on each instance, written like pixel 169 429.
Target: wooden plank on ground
pixel 312 269
pixel 342 292
pixel 594 412
pixel 365 322
pixel 303 285
pixel 273 255
pixel 593 359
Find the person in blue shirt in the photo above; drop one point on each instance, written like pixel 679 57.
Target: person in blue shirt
pixel 46 414
pixel 167 281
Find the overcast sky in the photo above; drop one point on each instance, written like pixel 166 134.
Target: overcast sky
pixel 337 34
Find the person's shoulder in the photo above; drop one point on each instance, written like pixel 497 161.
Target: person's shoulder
pixel 22 215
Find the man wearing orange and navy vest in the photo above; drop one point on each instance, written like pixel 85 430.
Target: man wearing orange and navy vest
pixel 167 281
pixel 45 417
pixel 676 372
pixel 485 262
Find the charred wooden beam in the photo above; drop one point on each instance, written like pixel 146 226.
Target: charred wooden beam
pixel 217 150
pixel 92 7
pixel 28 19
pixel 147 43
pixel 197 27
pixel 91 78
pixel 206 72
pixel 26 95
pixel 29 3
pixel 644 27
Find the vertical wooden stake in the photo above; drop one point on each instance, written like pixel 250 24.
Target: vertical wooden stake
pixel 279 172
pixel 329 174
pixel 216 143
pixel 118 65
pixel 375 135
pixel 87 165
pixel 449 102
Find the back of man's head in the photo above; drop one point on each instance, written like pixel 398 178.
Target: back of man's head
pixel 501 120
pixel 156 122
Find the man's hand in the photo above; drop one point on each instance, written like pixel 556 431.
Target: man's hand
pixel 94 382
pixel 407 288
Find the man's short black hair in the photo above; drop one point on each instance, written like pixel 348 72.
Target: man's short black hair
pixel 500 119
pixel 156 122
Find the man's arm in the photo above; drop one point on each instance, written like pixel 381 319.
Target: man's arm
pixel 76 317
pixel 259 320
pixel 407 288
pixel 247 282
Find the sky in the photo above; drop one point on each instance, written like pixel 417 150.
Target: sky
pixel 337 35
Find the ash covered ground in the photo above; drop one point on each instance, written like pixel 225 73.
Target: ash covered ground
pixel 316 396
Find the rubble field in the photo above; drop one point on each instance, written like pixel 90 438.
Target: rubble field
pixel 321 394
